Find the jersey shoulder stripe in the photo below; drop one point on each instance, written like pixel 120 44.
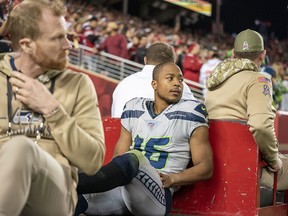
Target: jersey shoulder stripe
pixel 132 114
pixel 134 108
pixel 201 108
pixel 185 116
pixel 189 110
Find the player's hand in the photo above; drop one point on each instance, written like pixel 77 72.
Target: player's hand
pixel 167 180
pixel 276 167
pixel 33 93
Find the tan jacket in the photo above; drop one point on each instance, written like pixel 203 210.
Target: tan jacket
pixel 236 90
pixel 74 134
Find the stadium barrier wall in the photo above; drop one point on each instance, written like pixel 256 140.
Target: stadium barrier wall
pixel 234 188
pixel 104 87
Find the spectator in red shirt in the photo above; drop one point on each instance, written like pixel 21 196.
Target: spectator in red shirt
pixel 90 33
pixel 115 43
pixel 89 39
pixel 192 63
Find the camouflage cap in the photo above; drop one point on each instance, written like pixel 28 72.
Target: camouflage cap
pixel 248 41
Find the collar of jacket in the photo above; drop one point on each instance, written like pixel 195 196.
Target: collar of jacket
pixel 228 68
pixel 5 68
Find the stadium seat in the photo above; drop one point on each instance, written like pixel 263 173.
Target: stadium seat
pixel 234 188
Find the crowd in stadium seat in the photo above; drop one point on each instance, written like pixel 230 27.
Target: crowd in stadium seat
pixel 88 24
pixel 134 28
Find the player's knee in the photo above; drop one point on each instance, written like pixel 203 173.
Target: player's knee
pixel 129 164
pixel 141 158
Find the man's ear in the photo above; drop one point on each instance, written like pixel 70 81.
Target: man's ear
pixel 145 60
pixel 262 55
pixel 260 60
pixel 233 53
pixel 154 84
pixel 26 45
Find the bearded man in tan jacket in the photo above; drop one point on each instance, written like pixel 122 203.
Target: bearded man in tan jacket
pixel 50 124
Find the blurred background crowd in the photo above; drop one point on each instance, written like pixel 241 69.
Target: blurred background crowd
pixel 198 50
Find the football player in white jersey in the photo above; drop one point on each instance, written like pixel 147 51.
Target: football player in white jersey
pixel 157 141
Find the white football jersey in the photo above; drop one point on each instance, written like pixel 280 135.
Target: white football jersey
pixel 164 139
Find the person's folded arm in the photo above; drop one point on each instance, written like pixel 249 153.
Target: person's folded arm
pixel 261 114
pixel 80 135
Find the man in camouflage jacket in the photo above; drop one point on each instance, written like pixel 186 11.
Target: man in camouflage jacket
pixel 237 91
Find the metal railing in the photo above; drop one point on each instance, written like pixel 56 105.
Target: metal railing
pixel 104 63
pixel 115 67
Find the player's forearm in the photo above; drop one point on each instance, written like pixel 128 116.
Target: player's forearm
pixel 121 148
pixel 202 171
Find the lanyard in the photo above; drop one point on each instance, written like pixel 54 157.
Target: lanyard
pixel 9 103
